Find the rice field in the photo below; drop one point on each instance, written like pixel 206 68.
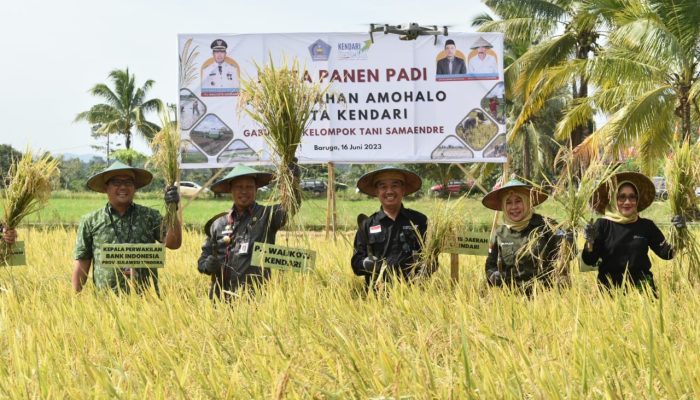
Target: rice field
pixel 316 336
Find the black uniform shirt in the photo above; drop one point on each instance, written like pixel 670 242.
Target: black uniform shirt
pixel 624 248
pixel 394 242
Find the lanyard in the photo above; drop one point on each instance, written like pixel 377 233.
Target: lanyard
pixel 117 231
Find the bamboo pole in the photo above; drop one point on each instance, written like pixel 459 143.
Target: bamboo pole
pixel 331 212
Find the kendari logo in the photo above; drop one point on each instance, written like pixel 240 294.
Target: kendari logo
pixel 320 50
pixel 353 50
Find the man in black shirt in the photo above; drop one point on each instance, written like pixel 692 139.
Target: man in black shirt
pixel 388 241
pixel 228 248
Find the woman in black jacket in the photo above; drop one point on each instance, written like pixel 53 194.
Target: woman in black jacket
pixel 619 242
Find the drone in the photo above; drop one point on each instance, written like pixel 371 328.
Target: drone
pixel 408 31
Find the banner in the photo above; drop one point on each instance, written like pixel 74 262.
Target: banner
pixel 130 255
pixel 390 100
pixel 285 258
pixel 472 243
pixel 16 256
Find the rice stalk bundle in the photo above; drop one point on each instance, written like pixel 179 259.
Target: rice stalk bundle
pixel 573 191
pixel 282 103
pixel 29 188
pixel 442 232
pixel 681 177
pixel 166 156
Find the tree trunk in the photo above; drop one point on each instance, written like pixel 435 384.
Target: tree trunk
pixel 526 155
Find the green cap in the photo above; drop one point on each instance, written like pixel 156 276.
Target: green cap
pixel 98 182
pixel 224 185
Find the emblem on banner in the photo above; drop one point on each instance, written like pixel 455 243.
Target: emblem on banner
pixel 320 50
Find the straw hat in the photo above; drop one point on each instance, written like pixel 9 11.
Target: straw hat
pixel 98 182
pixel 368 182
pixel 224 185
pixel 494 200
pixel 645 190
pixel 481 42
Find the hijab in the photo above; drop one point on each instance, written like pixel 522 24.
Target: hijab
pixel 612 213
pixel 527 210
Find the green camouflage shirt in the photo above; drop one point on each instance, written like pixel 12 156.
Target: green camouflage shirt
pixel 138 225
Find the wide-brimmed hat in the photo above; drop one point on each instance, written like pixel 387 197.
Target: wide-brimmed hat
pixel 224 185
pixel 481 42
pixel 368 182
pixel 645 190
pixel 98 182
pixel 494 201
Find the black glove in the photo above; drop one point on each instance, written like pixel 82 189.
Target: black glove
pixel 678 221
pixel 294 169
pixel 171 195
pixel 590 232
pixel 566 235
pixel 371 264
pixel 212 265
pixel 496 279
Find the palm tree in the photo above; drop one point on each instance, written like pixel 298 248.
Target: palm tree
pixel 124 108
pixel 561 35
pixel 532 143
pixel 648 80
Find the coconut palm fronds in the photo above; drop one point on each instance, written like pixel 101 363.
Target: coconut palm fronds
pixel 281 101
pixel 188 64
pixel 682 173
pixel 166 156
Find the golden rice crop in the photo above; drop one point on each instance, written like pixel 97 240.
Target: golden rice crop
pixel 313 336
pixel 28 190
pixel 281 101
pixel 166 158
pixel 682 173
pixel 573 191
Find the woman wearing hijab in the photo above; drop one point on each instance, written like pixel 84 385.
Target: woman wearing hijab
pixel 525 246
pixel 621 239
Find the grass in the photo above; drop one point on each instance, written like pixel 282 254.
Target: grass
pixel 68 208
pixel 313 336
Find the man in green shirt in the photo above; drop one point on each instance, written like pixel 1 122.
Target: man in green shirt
pixel 121 221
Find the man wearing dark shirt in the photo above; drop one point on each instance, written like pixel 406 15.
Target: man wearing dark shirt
pixel 388 242
pixel 228 248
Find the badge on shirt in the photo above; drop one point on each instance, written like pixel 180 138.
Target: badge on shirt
pixel 227 230
pixel 375 229
pixel 243 249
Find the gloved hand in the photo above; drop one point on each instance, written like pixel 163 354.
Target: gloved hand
pixel 566 235
pixel 171 195
pixel 212 265
pixel 496 279
pixel 590 232
pixel 294 169
pixel 371 264
pixel 9 236
pixel 678 221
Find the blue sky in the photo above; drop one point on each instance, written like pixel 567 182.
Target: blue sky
pixel 54 51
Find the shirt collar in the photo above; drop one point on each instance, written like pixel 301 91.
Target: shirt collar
pixel 381 214
pixel 112 211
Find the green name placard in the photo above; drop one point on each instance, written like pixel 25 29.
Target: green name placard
pixel 280 257
pixel 130 255
pixel 16 255
pixel 472 243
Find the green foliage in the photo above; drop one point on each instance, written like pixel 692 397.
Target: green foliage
pixel 124 109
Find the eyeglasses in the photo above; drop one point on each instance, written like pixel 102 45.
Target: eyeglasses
pixel 622 198
pixel 121 182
